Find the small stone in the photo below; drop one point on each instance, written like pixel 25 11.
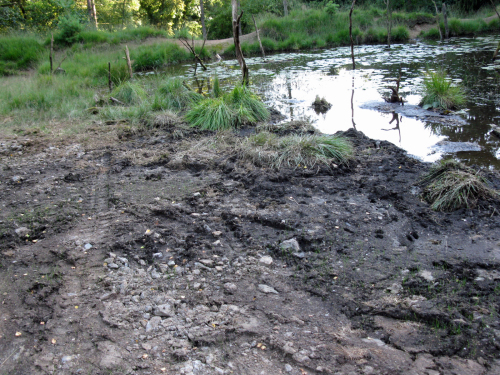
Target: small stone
pixel 291 244
pixel 300 357
pixel 153 323
pixel 196 286
pixel 207 262
pixel 113 266
pixel 197 194
pixel 288 368
pixel 171 263
pixel 427 275
pixel 163 310
pixel 267 289
pixel 22 231
pixel 266 261
pixel 87 246
pixel 300 255
pixel 17 179
pixel 217 233
pixel 146 346
pixel 219 268
pixel 142 262
pixel 230 288
pixel 155 275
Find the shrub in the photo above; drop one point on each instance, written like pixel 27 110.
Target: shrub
pixel 69 27
pixel 331 7
pixel 440 93
pixel 400 34
pixel 451 186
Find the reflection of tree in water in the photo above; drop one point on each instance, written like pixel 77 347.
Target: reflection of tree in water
pixel 395 117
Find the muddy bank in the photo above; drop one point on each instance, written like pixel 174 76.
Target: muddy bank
pixel 155 253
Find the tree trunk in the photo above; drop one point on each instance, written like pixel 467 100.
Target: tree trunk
pixel 445 19
pixel 437 22
pixel 285 7
pixel 258 37
pixel 238 11
pixel 389 22
pixel 350 34
pixel 202 16
pixel 92 13
pixel 237 46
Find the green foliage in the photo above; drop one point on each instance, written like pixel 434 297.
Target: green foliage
pixel 18 52
pixel 451 186
pixel 439 92
pixel 174 96
pixel 237 107
pixel 331 7
pixel 129 93
pixel 68 29
pixel 157 55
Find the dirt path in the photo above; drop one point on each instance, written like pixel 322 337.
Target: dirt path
pixel 156 254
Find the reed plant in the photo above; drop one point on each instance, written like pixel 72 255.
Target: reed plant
pixel 440 92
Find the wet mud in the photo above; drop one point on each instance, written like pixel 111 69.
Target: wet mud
pixel 140 256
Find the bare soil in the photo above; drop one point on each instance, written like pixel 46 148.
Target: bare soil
pixel 140 256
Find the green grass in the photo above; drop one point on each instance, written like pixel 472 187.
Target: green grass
pixel 156 56
pixel 225 111
pixel 19 53
pixel 315 28
pixel 451 186
pixel 439 92
pixel 174 96
pixel 460 27
pixel 129 93
pixel 297 150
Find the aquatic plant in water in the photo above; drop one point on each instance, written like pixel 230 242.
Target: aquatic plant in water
pixel 440 92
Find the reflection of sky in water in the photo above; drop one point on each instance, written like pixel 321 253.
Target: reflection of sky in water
pixel 289 82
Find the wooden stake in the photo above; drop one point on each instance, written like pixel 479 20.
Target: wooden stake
pixel 258 37
pixel 237 45
pixel 51 57
pixel 389 22
pixel 127 55
pixel 350 35
pixel 496 52
pixel 109 77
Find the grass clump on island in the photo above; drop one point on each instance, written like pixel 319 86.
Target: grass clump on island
pixel 450 185
pixel 229 110
pixel 460 27
pixel 439 92
pixel 296 150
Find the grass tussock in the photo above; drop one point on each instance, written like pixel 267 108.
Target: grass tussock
pixel 296 151
pixel 225 111
pixel 174 96
pixel 451 186
pixel 292 127
pixel 440 92
pixel 129 93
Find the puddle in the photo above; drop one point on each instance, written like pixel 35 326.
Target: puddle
pixel 289 82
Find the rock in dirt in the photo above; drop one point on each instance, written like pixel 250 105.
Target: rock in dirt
pixel 230 288
pixel 291 244
pixel 165 310
pixel 22 232
pixel 266 261
pixel 267 289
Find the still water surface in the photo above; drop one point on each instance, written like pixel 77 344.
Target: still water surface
pixel 290 82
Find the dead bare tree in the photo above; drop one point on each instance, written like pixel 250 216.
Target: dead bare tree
pixel 498 48
pixel 190 47
pixel 285 7
pixel 395 97
pixel 437 22
pixel 237 45
pixel 445 20
pixel 350 34
pixel 258 37
pixel 202 16
pixel 389 22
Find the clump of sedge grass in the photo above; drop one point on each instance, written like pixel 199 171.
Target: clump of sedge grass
pixel 225 111
pixel 175 96
pixel 439 92
pixel 129 93
pixel 297 150
pixel 451 186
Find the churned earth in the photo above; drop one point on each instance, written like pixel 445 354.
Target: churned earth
pixel 152 253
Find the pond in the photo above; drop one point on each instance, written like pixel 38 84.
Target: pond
pixel 289 82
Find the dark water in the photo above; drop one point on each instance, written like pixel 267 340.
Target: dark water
pixel 290 83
